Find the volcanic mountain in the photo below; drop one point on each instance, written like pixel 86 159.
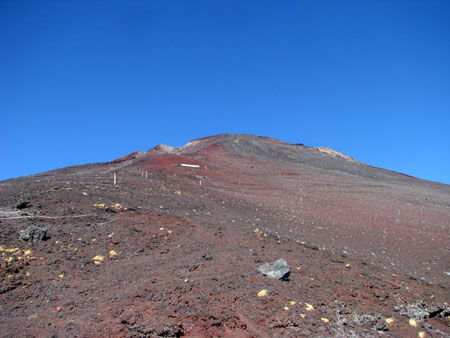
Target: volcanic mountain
pixel 168 243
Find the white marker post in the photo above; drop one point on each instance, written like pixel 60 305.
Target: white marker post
pixel 190 165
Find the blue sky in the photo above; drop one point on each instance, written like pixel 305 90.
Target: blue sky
pixel 90 81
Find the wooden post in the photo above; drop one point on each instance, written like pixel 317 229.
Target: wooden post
pixel 115 179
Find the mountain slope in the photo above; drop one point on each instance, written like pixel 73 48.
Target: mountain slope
pixel 178 240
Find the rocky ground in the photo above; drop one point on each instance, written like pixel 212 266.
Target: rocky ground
pixel 173 251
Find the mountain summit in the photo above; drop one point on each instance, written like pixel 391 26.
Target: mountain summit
pixel 169 242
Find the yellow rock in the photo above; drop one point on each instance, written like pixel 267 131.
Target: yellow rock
pixel 61 275
pixel 389 320
pixel 412 322
pixel 112 253
pixel 93 239
pixel 422 334
pixel 302 315
pixel 262 293
pixel 292 302
pixel 118 206
pixel 10 259
pixel 347 265
pixel 162 228
pixel 98 259
pixel 169 231
pixel 177 192
pixel 325 320
pixel 285 308
pixel 309 307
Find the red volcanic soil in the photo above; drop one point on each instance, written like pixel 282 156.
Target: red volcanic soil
pixel 173 250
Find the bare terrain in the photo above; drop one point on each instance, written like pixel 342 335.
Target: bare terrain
pixel 173 247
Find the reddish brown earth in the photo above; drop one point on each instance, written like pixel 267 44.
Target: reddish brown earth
pixel 368 248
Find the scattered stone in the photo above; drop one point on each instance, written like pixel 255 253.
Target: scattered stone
pixel 262 293
pixel 34 233
pixel 389 320
pixel 421 310
pixel 278 269
pixel 309 307
pixel 413 322
pixel 158 330
pixel 98 259
pixel 206 257
pixel 371 320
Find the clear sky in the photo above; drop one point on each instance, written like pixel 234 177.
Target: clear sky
pixel 90 81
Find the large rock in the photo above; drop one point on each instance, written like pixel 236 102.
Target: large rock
pixel 278 269
pixel 34 233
